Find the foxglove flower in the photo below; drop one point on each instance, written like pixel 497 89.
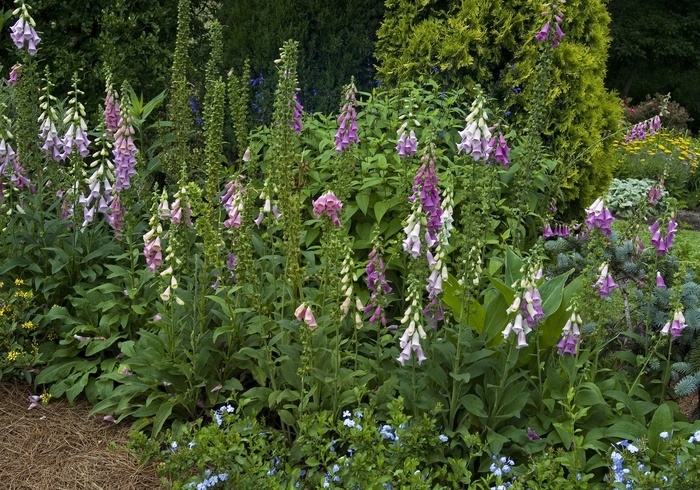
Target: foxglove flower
pixel 115 216
pixel 347 129
pixel 531 307
pixel 660 281
pixel 178 213
pixel 476 135
pixel 605 282
pixel 304 312
pixel 570 336
pixel 546 31
pixel 23 30
pixel 426 188
pixel 328 204
pixel 112 111
pixel 543 34
pixel 501 150
pixel 13 74
pixel 410 340
pixel 519 329
pixel 233 204
pixel 654 194
pixel 412 244
pixel 377 285
pixel 124 153
pixel 76 134
pixel 406 145
pixel 676 326
pixel 598 216
pixel 663 245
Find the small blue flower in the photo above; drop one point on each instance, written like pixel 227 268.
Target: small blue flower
pixel 223 476
pixel 173 446
pixel 435 70
pixel 517 90
pixel 508 113
pixel 349 423
pixel 443 438
pixel 377 83
pixel 631 448
pixel 191 444
pixel 358 414
pixel 347 414
pixel 664 435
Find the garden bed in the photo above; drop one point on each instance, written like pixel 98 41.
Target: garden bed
pixel 61 446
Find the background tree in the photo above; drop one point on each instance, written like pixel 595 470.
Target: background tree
pixel 492 42
pixel 656 48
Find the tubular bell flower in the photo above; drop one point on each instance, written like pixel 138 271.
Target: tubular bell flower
pixel 297 115
pixel 660 281
pixel 124 153
pixel 519 329
pixel 347 129
pixel 76 134
pixel 23 30
pixel 426 188
pixel 377 285
pixel 546 32
pixel 303 312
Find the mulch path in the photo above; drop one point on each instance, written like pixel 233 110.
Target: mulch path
pixel 60 446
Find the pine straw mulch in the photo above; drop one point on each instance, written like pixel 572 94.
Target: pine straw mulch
pixel 60 446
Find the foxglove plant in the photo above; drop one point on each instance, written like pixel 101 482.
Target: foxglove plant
pixel 555 35
pixel 347 121
pixel 23 30
pixel 305 314
pixel 180 211
pixel 639 131
pixel 347 282
pixel 152 240
pixel 297 114
pixel 558 231
pixel 476 136
pixel 527 306
pixel 112 110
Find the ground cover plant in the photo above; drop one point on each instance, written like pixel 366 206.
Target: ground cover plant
pixel 386 296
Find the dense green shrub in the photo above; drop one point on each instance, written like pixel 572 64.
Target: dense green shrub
pixel 493 43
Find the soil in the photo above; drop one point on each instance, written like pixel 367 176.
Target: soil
pixel 61 446
pixel 690 217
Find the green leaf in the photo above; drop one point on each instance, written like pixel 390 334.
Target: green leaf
pixel 362 202
pixel 662 421
pixel 381 207
pixel 162 415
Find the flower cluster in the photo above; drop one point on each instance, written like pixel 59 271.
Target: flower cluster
pixel 500 150
pixel 53 145
pixel 347 129
pixel 676 326
pixel 124 153
pixel 412 243
pixel 528 309
pixel 570 335
pixel 654 194
pixel 598 216
pixel 112 111
pixel 639 131
pixel 406 145
pixel 303 312
pixel 501 466
pixel 10 167
pixel 100 193
pixel 76 134
pixel 410 340
pixel 329 205
pixel 209 481
pixel 267 208
pixel 476 136
pixel 605 282
pixel 377 285
pixel 297 115
pixel 152 249
pixel 545 32
pixel 233 203
pixel 557 231
pixel 219 413
pixel 23 30
pixel 425 186
pixel 178 213
pixel 663 245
